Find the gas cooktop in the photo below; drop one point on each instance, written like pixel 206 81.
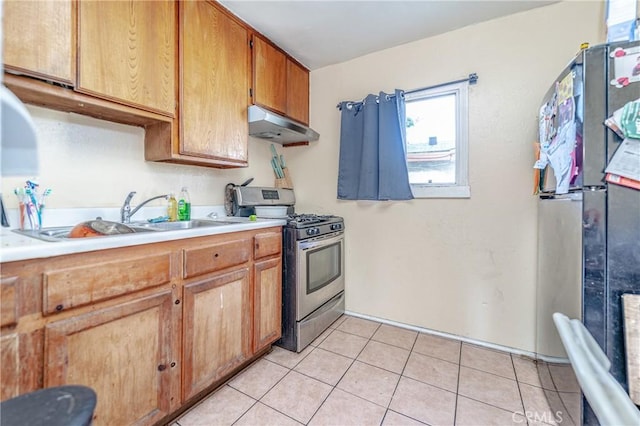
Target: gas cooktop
pixel 304 220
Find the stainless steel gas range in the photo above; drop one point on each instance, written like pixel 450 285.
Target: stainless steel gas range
pixel 313 278
pixel 313 264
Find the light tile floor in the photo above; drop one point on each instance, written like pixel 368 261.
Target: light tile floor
pixel 361 372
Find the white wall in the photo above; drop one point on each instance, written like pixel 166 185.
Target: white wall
pixel 465 266
pixel 94 163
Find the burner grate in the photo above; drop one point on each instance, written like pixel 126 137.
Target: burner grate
pixel 307 219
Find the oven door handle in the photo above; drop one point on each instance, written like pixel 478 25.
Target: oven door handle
pixel 306 245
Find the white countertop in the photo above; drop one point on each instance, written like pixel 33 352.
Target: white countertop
pixel 14 246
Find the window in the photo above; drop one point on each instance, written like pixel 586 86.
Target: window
pixel 437 141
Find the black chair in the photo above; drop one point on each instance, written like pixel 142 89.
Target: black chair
pixel 57 406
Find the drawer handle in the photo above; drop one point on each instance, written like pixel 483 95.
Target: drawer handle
pixel 59 308
pixel 216 255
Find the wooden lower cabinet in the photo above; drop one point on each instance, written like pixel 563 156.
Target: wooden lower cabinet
pixel 124 353
pixel 150 328
pixel 267 301
pixel 21 362
pixel 217 328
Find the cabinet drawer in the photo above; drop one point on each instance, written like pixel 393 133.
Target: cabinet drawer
pixel 267 244
pixel 73 287
pixel 198 261
pixel 8 301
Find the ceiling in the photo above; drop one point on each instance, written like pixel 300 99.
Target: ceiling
pixel 321 33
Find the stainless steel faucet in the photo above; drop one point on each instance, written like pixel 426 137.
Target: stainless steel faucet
pixel 126 212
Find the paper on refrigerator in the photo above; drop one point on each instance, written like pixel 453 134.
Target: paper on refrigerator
pixel 626 160
pixel 559 150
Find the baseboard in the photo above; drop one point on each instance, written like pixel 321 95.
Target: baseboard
pixel 481 343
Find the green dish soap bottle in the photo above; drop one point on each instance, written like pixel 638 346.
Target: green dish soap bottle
pixel 184 205
pixel 172 208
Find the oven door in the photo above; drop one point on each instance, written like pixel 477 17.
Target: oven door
pixel 320 272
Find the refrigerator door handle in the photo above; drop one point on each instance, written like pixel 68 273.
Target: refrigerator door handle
pixel 607 398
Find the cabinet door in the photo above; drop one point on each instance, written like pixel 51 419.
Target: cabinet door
pixel 297 92
pixel 21 360
pixel 269 76
pixel 126 52
pixel 39 39
pixel 20 350
pixel 214 80
pixel 124 353
pixel 267 303
pixel 216 321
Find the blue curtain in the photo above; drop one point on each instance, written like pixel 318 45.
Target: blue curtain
pixel 373 163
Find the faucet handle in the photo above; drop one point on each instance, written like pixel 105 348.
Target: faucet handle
pixel 126 208
pixel 129 197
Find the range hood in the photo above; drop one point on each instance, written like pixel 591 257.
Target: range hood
pixel 265 124
pixel 18 139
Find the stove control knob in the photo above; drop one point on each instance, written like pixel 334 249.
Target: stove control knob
pixel 312 231
pixel 335 226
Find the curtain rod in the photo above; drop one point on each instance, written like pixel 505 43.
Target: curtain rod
pixel 472 79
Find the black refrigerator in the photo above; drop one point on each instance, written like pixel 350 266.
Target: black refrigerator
pixel 588 228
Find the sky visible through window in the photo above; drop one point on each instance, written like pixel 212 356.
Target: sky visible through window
pixel 431 140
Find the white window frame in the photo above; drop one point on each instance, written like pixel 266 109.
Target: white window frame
pixel 459 189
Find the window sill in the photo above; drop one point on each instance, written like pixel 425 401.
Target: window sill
pixel 430 191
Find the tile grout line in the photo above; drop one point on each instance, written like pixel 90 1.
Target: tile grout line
pixel 256 400
pixel 519 388
pixel 413 345
pixel 401 375
pixel 566 411
pixel 227 383
pixel 266 392
pixel 248 409
pixel 219 388
pixel 375 366
pixel 455 406
pixel 343 374
pixel 260 399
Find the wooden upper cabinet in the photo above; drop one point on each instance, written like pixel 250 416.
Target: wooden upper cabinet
pixel 269 76
pixel 214 85
pixel 127 52
pixel 39 39
pixel 297 92
pixel 279 83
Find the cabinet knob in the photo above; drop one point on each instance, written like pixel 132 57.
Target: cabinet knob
pixel 162 367
pixel 216 255
pixel 59 308
pixel 173 364
pixel 177 302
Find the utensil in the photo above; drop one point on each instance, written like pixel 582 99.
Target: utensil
pixel 98 228
pixel 277 163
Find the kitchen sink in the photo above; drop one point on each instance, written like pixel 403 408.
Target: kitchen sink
pixel 185 224
pixel 61 233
